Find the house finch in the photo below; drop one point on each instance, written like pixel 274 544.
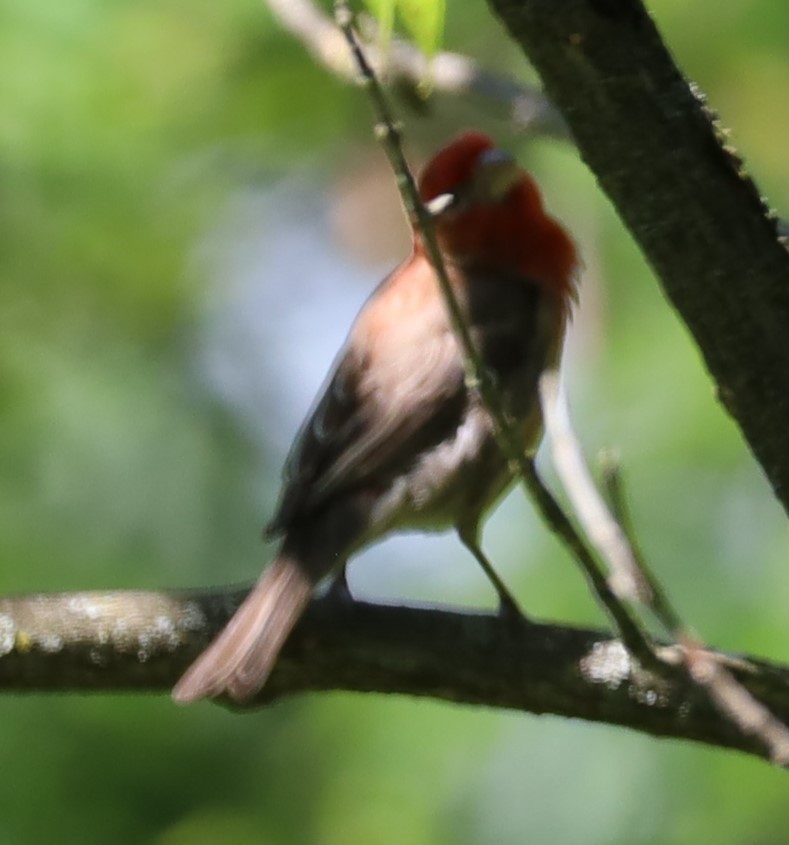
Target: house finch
pixel 398 439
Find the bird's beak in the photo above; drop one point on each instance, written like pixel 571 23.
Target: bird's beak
pixel 438 205
pixel 496 175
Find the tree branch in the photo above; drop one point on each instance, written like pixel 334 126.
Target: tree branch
pixel 613 538
pixel 663 160
pixel 135 640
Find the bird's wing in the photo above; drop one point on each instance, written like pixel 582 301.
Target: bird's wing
pixel 362 432
pixel 397 389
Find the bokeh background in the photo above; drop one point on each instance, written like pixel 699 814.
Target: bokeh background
pixel 191 211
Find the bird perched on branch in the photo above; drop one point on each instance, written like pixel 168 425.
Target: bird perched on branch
pixel 399 439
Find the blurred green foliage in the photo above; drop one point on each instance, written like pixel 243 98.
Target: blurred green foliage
pixel 127 131
pixel 424 22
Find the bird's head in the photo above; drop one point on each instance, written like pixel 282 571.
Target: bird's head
pixel 488 212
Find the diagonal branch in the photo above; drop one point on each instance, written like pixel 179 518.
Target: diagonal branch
pixel 662 158
pixel 136 640
pixel 477 377
pixel 612 537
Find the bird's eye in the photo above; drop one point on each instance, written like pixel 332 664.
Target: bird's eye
pixel 496 175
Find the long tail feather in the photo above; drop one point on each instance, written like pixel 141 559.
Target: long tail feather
pixel 241 658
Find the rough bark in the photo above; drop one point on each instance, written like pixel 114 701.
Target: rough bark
pixel 134 640
pixel 664 162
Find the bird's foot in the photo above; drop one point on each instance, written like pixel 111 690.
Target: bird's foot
pixel 338 589
pixel 510 612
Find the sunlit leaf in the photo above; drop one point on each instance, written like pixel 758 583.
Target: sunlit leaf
pixel 424 20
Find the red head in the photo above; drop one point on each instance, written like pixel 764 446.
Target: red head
pixel 494 215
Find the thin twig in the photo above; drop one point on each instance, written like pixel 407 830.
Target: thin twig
pixel 658 600
pixel 606 535
pixel 400 61
pixel 737 703
pixel 476 374
pixel 706 668
pixel 632 578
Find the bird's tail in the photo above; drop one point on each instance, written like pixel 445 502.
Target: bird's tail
pixel 241 658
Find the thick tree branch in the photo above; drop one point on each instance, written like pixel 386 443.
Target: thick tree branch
pixel 143 641
pixel 663 161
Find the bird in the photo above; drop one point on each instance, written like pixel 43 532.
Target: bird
pixel 399 438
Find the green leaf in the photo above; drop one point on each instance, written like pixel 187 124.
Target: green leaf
pixel 384 13
pixel 424 20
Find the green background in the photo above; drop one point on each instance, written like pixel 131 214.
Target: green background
pixel 190 213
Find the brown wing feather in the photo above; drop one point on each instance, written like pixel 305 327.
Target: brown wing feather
pixel 355 439
pixel 358 433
